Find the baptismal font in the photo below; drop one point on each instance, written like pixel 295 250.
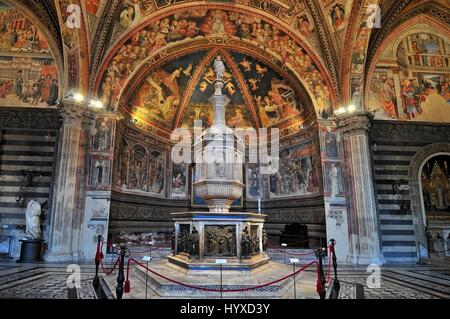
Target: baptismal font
pixel 203 237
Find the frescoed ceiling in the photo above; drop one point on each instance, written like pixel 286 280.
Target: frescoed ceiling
pixel 28 73
pixel 176 93
pixel 326 50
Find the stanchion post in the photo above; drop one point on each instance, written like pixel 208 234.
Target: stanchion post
pixel 295 288
pixel 121 275
pixel 96 280
pixel 221 281
pixel 336 284
pixel 147 259
pixel 319 254
pixel 285 253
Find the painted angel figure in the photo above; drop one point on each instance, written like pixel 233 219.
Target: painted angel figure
pixel 219 67
pixel 32 214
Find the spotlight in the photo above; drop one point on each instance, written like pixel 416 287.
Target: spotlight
pixel 97 104
pixel 78 97
pixel 351 108
pixel 341 110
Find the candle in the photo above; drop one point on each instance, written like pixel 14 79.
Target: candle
pixel 259 205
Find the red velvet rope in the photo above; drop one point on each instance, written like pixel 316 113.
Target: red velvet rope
pixel 109 272
pixel 228 290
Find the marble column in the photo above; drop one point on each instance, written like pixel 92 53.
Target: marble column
pixel 363 217
pixel 68 196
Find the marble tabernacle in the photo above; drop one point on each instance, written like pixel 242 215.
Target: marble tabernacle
pixel 202 237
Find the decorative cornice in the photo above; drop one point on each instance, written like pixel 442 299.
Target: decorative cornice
pixel 29 118
pixel 410 131
pixel 76 114
pixel 355 123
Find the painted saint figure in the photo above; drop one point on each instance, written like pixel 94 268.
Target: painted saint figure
pixel 387 98
pixel 331 147
pixel 334 180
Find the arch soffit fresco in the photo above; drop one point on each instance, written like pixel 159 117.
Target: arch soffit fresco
pixel 433 10
pixel 76 47
pixel 166 12
pixel 53 43
pixel 394 39
pixel 356 17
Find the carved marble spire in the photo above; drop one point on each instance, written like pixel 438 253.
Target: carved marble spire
pixel 218 100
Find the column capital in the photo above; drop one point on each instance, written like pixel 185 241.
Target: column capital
pixel 358 122
pixel 76 114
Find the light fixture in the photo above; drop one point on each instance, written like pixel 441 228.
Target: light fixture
pixel 78 97
pixel 341 110
pixel 96 104
pixel 351 108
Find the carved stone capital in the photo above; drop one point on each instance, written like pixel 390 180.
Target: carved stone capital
pixel 355 123
pixel 77 114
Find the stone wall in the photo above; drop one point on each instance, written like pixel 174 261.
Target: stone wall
pixel 28 139
pixel 397 148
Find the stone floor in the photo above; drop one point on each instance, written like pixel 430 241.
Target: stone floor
pixel 45 280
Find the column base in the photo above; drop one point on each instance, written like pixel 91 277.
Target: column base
pixel 365 260
pixel 62 257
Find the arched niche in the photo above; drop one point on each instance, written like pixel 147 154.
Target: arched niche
pixel 416 189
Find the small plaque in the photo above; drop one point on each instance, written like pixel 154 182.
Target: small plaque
pixel 221 261
pixel 147 258
pixel 294 260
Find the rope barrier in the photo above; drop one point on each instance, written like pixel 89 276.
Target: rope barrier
pixel 320 285
pixel 109 272
pixel 222 290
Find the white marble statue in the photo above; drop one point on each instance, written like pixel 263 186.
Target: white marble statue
pixel 219 67
pixel 32 214
pixel 334 175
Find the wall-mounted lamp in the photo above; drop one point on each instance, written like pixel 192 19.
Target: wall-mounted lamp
pixel 343 110
pixel 351 108
pixel 397 184
pixel 96 104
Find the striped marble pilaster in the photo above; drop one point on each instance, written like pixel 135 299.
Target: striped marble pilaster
pixel 365 242
pixel 68 201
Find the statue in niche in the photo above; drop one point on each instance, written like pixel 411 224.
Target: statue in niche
pixel 265 240
pixel 246 243
pixel 102 136
pixel 172 238
pixel 193 240
pixel 99 167
pixel 220 163
pixel 182 244
pixel 32 214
